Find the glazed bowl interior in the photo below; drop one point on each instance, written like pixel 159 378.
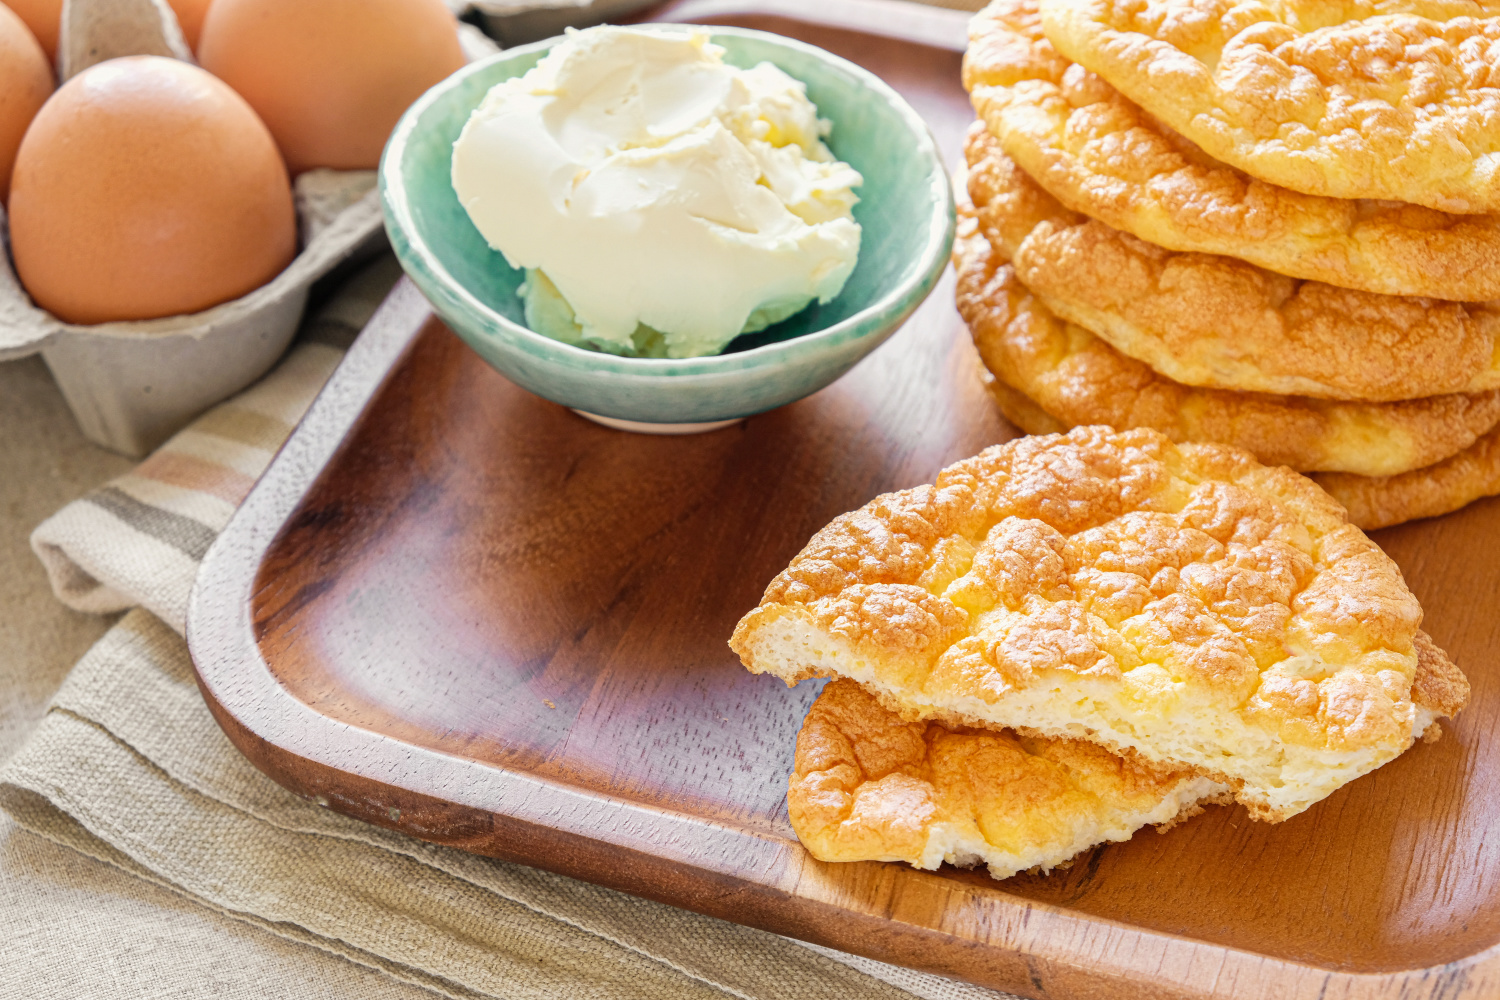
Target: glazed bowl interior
pixel 905 212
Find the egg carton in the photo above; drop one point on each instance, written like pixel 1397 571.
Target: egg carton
pixel 131 385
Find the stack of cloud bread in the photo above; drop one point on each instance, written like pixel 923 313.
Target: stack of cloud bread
pixel 1275 226
pixel 1071 636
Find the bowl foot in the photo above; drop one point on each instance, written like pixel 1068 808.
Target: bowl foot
pixel 641 427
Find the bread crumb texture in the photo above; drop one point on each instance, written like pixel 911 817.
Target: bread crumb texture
pixel 1183 602
pixel 870 786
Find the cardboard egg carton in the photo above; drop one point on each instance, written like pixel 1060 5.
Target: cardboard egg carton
pixel 131 385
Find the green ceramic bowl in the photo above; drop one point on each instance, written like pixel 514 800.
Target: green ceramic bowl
pixel 905 209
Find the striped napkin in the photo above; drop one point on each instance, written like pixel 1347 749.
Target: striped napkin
pixel 139 538
pixel 129 767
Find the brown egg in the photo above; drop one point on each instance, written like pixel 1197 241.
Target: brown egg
pixel 25 82
pixel 190 14
pixel 146 188
pixel 330 78
pixel 44 18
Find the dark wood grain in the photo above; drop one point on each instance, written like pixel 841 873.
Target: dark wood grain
pixel 459 610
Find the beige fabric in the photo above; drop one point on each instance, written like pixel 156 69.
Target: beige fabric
pixel 71 926
pixel 43 462
pixel 74 927
pixel 129 768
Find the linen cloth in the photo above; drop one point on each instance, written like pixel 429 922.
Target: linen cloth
pixel 128 767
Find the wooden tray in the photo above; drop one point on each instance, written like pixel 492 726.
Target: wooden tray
pixel 457 610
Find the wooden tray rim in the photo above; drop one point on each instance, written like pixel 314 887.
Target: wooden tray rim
pixel 267 723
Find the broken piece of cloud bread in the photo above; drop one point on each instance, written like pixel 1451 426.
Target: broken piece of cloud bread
pixel 1182 603
pixel 869 786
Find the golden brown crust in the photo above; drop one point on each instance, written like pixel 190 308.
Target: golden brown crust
pixel 1221 323
pixel 1063 376
pixel 1379 502
pixel 1181 601
pixel 1080 535
pixel 869 785
pixel 1439 686
pixel 1022 411
pixel 1097 153
pixel 1372 501
pixel 1023 345
pixel 1393 100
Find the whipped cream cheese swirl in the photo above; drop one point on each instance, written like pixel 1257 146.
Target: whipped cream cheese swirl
pixel 668 200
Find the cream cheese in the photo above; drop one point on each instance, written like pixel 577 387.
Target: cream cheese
pixel 670 201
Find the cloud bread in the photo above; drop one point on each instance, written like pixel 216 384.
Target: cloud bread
pixel 1438 489
pixel 1098 154
pixel 1371 501
pixel 1216 321
pixel 1393 99
pixel 1074 378
pixel 1181 602
pixel 1021 410
pixel 869 786
pixel 1027 350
